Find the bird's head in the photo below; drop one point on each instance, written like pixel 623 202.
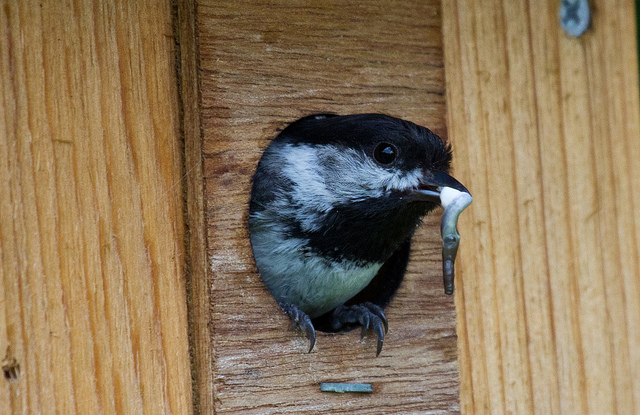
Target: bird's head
pixel 338 160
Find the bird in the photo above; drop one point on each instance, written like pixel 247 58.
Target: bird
pixel 335 201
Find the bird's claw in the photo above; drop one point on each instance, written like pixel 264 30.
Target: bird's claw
pixel 368 315
pixel 299 319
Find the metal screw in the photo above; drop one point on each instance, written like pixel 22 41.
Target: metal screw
pixel 575 16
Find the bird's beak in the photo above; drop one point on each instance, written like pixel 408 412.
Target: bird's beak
pixel 442 189
pixel 430 188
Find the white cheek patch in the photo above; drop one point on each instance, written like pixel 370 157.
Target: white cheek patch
pixel 304 170
pixel 399 181
pixel 302 167
pixel 357 174
pixel 352 176
pixel 361 177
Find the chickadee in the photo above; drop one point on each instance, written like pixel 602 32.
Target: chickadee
pixel 334 204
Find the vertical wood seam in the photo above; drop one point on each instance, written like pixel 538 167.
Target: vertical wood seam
pixel 196 269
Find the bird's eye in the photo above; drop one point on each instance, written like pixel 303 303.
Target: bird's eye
pixel 385 153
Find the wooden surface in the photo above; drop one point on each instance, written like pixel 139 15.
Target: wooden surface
pixel 93 311
pixel 546 130
pixel 262 65
pixel 198 283
pixel 92 304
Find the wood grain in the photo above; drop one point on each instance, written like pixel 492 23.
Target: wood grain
pixel 264 64
pixel 92 304
pixel 198 283
pixel 546 130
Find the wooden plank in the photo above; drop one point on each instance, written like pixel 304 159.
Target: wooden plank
pixel 546 129
pixel 198 284
pixel 92 304
pixel 264 64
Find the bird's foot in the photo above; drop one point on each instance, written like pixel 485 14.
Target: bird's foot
pixel 368 315
pixel 299 319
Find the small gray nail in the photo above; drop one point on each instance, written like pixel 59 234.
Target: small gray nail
pixel 346 387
